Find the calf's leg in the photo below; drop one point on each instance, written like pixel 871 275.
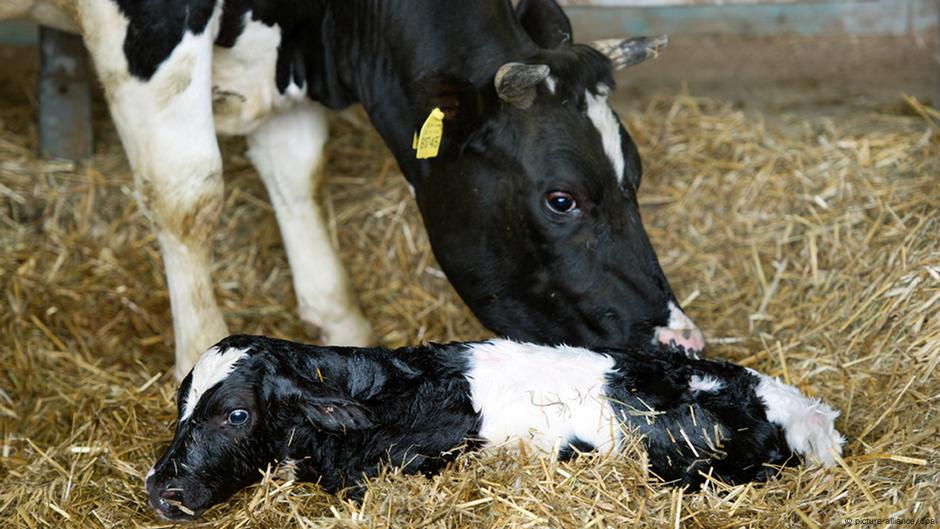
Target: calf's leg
pixel 287 150
pixel 165 124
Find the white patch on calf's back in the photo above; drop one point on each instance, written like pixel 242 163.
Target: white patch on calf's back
pixel 607 124
pixel 541 394
pixel 213 367
pixel 808 424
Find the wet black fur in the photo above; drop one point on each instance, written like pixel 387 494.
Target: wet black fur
pixel 749 447
pixel 340 412
pixel 590 278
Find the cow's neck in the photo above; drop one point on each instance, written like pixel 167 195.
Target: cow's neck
pixel 380 48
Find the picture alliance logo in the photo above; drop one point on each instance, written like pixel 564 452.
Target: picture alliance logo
pixel 876 522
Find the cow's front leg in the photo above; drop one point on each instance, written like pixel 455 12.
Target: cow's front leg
pixel 164 118
pixel 287 150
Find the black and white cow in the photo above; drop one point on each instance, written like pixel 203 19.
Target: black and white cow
pixel 530 205
pixel 335 414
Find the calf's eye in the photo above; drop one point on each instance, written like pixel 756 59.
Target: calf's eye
pixel 238 417
pixel 561 202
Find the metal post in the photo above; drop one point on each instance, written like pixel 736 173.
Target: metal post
pixel 64 96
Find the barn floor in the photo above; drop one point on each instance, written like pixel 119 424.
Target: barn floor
pixel 805 245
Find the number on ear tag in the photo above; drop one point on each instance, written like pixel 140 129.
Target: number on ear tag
pixel 428 142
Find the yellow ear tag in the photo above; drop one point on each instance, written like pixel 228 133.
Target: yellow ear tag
pixel 429 141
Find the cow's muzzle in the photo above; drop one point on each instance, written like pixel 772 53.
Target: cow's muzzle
pixel 680 332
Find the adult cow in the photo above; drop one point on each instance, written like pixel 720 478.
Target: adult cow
pixel 530 204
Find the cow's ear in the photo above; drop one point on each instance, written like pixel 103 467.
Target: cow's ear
pixel 545 22
pixel 336 414
pixel 459 100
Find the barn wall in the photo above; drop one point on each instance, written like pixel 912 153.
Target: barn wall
pixel 600 18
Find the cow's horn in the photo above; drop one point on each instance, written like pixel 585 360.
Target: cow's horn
pixel 624 53
pixel 515 82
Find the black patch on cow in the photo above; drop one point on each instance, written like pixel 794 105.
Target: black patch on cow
pixel 156 27
pixel 659 379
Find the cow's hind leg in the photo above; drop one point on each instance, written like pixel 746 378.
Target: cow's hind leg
pixel 166 126
pixel 287 149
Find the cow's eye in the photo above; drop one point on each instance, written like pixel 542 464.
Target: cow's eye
pixel 238 417
pixel 561 202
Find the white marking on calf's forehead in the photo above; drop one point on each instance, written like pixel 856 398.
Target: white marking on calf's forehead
pixel 600 113
pixel 213 367
pixel 541 394
pixel 705 383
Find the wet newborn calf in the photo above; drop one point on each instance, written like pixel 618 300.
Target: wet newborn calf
pixel 337 414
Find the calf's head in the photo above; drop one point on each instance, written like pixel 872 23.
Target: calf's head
pixel 531 206
pixel 242 407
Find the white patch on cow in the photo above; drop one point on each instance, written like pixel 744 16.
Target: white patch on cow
pixel 244 88
pixel 213 367
pixel 550 84
pixel 681 330
pixel 807 423
pixel 287 150
pixel 295 91
pixel 167 130
pixel 600 113
pixel 706 383
pixel 540 394
pixel 679 320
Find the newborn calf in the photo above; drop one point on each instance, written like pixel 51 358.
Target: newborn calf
pixel 337 414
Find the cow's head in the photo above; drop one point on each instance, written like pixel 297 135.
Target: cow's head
pixel 531 205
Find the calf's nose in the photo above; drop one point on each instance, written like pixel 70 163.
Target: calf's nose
pixel 680 331
pixel 167 501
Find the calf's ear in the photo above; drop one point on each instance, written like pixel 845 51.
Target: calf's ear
pixel 323 405
pixel 545 22
pixel 335 414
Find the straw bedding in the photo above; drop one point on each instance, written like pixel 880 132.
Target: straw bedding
pixel 809 250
